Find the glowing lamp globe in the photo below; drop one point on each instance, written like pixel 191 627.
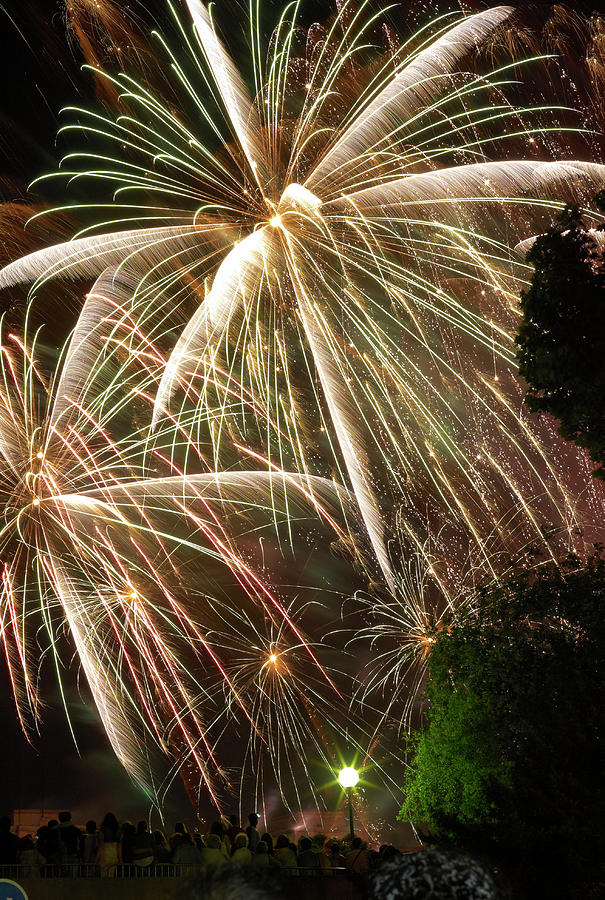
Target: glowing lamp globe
pixel 348 777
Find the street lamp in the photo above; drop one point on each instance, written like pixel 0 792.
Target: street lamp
pixel 348 778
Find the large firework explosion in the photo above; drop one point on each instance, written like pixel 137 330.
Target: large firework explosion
pixel 187 596
pixel 305 268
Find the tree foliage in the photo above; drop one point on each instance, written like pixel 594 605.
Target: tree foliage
pixel 561 338
pixel 512 761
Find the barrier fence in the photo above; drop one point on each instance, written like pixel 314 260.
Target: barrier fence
pixel 155 870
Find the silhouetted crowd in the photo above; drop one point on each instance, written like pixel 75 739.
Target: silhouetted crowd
pixel 113 849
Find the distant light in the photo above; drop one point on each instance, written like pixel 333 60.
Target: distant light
pixel 39 454
pixel 36 501
pixel 273 658
pixel 275 221
pixel 348 777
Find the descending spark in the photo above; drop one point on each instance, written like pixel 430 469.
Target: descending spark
pixel 138 562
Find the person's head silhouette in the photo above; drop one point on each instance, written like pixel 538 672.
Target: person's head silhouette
pixel 241 841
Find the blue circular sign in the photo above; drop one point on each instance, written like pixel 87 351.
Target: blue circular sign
pixel 11 891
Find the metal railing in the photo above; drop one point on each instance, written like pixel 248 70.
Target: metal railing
pixel 132 870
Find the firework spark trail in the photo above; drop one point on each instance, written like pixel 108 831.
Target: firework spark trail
pixel 117 548
pixel 357 223
pixel 205 496
pixel 337 261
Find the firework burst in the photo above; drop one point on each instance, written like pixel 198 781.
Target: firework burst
pixel 143 565
pixel 322 255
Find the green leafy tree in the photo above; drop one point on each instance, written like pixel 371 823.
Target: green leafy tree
pixel 561 338
pixel 511 763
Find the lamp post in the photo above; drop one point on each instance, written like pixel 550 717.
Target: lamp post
pixel 348 778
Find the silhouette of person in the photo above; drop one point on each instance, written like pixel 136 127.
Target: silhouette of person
pixel 234 829
pixel 262 859
pixel 357 857
pixel 211 855
pixel 69 840
pixel 241 853
pixel 30 858
pixel 110 850
pixel 142 846
pixel 306 858
pixel 252 832
pixel 90 843
pixel 9 842
pixel 284 854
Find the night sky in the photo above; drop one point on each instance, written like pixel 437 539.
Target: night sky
pixel 40 74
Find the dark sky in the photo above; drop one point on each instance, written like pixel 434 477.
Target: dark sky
pixel 41 73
